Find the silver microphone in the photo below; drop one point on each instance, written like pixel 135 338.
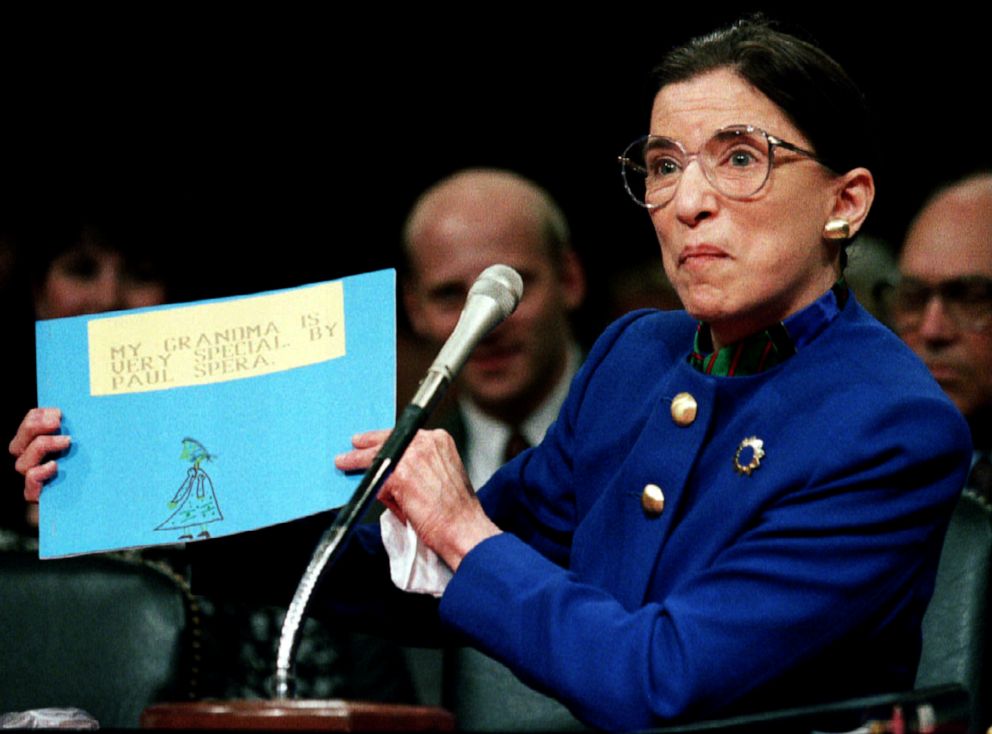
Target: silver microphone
pixel 492 298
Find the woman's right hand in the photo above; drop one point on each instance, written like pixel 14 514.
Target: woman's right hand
pixel 34 441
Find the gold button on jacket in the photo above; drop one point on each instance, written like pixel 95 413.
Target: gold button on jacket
pixel 653 499
pixel 683 409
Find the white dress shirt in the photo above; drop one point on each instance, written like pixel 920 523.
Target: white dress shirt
pixel 486 437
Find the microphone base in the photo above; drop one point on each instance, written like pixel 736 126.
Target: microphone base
pixel 312 715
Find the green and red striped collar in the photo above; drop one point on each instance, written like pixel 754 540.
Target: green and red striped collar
pixel 765 349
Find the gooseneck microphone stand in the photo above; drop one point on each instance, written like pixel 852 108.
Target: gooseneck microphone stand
pixel 492 298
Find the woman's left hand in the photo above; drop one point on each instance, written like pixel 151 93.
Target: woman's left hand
pixel 430 489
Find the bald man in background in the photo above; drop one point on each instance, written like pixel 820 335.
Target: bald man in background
pixel 943 304
pixel 513 384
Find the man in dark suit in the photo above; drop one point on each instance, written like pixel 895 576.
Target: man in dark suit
pixel 513 384
pixel 511 388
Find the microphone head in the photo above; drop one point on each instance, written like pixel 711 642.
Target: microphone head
pixel 493 296
pixel 501 283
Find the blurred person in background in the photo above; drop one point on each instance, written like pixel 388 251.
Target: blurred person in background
pixel 70 266
pixel 513 384
pixel 942 306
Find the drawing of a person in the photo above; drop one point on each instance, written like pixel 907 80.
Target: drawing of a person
pixel 195 503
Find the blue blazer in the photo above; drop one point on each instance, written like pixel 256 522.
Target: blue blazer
pixel 801 582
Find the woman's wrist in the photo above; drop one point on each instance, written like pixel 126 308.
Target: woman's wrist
pixel 469 536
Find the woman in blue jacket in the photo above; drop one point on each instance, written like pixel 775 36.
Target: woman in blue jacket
pixel 742 504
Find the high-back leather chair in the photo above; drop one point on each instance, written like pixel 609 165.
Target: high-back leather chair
pixel 956 643
pixel 485 696
pixel 104 634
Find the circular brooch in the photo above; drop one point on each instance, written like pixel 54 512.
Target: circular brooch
pixel 749 455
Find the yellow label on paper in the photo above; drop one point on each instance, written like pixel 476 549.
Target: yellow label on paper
pixel 216 342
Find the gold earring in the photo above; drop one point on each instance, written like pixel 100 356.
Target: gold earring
pixel 837 228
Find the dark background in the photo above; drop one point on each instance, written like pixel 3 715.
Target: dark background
pixel 283 145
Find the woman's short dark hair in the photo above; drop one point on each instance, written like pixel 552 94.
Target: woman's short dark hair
pixel 810 87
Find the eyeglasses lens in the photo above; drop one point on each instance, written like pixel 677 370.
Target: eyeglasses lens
pixel 966 301
pixel 736 161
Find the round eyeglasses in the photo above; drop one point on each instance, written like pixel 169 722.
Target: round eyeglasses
pixel 967 302
pixel 736 160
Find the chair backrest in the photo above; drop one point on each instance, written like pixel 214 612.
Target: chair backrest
pixel 485 696
pixel 955 640
pixel 105 634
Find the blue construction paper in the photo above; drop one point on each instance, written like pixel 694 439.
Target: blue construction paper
pixel 266 443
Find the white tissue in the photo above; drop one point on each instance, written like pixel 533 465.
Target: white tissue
pixel 412 565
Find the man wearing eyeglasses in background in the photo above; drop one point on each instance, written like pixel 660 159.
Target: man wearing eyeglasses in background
pixel 943 305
